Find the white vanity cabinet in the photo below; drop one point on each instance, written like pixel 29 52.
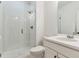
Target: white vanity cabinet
pixel 49 53
pixel 61 56
pixel 53 50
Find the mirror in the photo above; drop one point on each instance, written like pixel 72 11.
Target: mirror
pixel 68 17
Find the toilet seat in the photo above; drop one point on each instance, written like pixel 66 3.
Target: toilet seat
pixel 37 50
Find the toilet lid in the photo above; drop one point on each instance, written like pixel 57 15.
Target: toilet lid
pixel 38 49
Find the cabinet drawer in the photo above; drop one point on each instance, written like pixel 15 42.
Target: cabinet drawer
pixel 49 53
pixel 61 49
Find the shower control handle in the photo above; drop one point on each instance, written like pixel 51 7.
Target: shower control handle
pixel 21 31
pixel 31 27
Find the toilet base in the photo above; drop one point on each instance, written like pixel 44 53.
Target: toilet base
pixel 32 56
pixel 37 52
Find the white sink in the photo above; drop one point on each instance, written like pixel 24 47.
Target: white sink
pixel 67 39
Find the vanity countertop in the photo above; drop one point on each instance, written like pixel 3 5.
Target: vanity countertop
pixel 73 45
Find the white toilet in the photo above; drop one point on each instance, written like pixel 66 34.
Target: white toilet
pixel 37 52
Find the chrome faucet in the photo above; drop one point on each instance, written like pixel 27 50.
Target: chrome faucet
pixel 70 36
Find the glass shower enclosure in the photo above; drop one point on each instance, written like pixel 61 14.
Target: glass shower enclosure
pixel 17 28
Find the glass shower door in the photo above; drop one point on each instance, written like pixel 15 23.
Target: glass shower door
pixel 16 28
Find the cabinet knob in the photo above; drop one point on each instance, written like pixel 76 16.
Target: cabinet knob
pixel 55 56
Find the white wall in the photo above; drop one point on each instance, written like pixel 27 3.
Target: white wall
pixel 46 19
pixel 50 16
pixel 39 21
pixel 77 19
